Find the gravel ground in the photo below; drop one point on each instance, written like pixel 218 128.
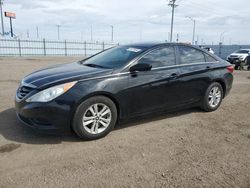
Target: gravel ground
pixel 189 148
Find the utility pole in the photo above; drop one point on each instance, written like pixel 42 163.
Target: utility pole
pixel 193 20
pixel 1 9
pixel 37 32
pixel 112 33
pixel 58 31
pixel 173 6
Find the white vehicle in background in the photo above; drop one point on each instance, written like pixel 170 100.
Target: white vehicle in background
pixel 238 56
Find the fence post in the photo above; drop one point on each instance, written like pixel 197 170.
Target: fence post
pixel 65 47
pixel 44 48
pixel 85 48
pixel 103 46
pixel 19 47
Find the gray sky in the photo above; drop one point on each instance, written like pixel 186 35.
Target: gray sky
pixel 133 20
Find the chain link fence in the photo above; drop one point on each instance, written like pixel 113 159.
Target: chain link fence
pixel 11 47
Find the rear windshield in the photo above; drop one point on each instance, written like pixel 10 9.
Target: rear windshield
pixel 115 57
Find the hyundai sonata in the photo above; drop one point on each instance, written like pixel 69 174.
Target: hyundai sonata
pixel 89 97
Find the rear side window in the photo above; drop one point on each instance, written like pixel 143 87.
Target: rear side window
pixel 160 57
pixel 190 55
pixel 209 58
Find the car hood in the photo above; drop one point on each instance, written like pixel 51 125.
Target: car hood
pixel 237 54
pixel 62 73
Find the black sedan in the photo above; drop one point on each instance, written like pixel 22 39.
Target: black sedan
pixel 92 95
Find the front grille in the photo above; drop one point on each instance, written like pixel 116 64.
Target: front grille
pixel 23 91
pixel 232 59
pixel 233 56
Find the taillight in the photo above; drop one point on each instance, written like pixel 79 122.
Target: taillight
pixel 230 69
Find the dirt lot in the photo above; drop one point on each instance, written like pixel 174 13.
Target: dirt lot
pixel 190 148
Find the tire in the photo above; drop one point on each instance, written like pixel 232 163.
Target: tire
pixel 236 67
pixel 245 61
pixel 207 104
pixel 86 119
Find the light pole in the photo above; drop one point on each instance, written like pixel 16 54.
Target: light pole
pixel 58 31
pixel 112 33
pixel 221 36
pixel 91 32
pixel 37 32
pixel 220 43
pixel 1 9
pixel 173 5
pixel 193 20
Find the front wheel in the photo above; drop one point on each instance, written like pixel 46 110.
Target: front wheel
pixel 213 97
pixel 95 118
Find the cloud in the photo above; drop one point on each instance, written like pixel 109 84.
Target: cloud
pixel 27 4
pixel 132 20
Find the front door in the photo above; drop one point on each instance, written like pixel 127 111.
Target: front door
pixel 156 89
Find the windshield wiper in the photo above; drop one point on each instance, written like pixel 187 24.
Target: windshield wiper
pixel 94 65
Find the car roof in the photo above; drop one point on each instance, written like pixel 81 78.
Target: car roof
pixel 145 44
pixel 153 44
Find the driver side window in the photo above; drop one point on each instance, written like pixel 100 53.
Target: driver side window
pixel 160 57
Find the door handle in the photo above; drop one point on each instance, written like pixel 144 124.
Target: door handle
pixel 174 75
pixel 208 67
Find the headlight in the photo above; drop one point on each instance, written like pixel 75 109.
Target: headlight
pixel 50 93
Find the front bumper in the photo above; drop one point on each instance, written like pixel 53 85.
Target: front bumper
pixel 45 117
pixel 233 59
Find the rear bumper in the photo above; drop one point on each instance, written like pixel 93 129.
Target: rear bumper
pixel 228 82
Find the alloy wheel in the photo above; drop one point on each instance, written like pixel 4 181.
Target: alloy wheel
pixel 97 118
pixel 214 97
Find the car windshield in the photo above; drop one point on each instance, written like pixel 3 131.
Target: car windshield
pixel 115 57
pixel 242 51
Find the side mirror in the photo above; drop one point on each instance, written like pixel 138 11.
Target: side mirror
pixel 140 67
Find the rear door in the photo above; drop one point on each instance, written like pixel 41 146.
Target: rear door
pixel 195 67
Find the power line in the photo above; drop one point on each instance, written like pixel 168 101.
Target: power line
pixel 204 7
pixel 173 6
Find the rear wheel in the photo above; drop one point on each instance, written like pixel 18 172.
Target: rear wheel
pixel 95 118
pixel 213 97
